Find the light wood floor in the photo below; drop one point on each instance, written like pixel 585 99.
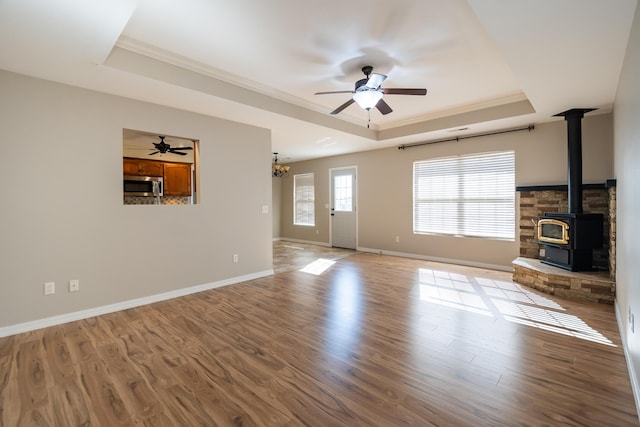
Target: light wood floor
pixel 289 256
pixel 371 341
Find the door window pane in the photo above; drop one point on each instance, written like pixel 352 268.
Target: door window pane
pixel 343 193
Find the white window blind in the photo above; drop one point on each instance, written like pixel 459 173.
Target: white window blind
pixel 472 195
pixel 303 199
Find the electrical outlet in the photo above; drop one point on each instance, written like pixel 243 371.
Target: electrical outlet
pixel 50 288
pixel 235 257
pixel 397 239
pixel 74 285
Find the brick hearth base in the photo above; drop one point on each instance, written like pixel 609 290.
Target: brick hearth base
pixel 594 286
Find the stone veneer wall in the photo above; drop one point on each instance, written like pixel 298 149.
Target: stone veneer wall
pixel 580 286
pixel 612 231
pixel 535 201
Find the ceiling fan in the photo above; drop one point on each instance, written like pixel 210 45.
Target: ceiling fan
pixel 368 93
pixel 162 147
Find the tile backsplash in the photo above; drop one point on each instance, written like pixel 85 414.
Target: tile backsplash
pixel 167 200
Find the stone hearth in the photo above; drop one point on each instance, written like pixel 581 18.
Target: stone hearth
pixel 596 286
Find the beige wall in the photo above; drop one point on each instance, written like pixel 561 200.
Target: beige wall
pixel 385 188
pixel 62 212
pixel 627 172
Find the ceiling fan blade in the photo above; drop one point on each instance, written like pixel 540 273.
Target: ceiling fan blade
pixel 335 91
pixel 383 107
pixel 181 148
pixel 155 152
pixel 343 106
pixel 399 91
pixel 375 80
pixel 177 152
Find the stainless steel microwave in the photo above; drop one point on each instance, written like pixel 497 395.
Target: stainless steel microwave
pixel 145 186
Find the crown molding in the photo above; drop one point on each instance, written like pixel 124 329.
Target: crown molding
pixel 375 131
pixel 462 109
pixel 150 51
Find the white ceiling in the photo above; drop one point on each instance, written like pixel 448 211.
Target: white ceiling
pixel 487 64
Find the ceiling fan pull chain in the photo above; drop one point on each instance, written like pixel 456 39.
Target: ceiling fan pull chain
pixel 369 121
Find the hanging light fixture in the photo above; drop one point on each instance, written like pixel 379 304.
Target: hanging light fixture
pixel 367 99
pixel 278 170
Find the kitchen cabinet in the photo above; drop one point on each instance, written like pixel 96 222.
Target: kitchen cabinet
pixel 177 179
pixel 142 167
pixel 177 176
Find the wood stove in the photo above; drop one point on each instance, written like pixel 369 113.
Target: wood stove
pixel 570 238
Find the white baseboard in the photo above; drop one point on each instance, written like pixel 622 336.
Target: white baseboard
pixel 105 309
pixel 508 268
pixel 633 378
pixel 438 259
pixel 308 242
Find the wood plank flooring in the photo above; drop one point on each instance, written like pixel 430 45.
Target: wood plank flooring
pixel 289 256
pixel 371 341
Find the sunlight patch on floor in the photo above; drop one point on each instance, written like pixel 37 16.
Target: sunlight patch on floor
pixel 318 266
pixel 503 299
pixel 455 299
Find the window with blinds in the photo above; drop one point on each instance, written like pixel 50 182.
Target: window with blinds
pixel 471 195
pixel 303 199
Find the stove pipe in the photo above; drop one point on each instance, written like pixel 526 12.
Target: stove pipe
pixel 574 156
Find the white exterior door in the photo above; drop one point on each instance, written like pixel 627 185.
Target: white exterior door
pixel 343 208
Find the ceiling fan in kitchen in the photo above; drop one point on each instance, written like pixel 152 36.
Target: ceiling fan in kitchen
pixel 162 147
pixel 368 93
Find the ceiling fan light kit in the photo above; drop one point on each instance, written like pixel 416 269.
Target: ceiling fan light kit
pixel 367 99
pixel 368 93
